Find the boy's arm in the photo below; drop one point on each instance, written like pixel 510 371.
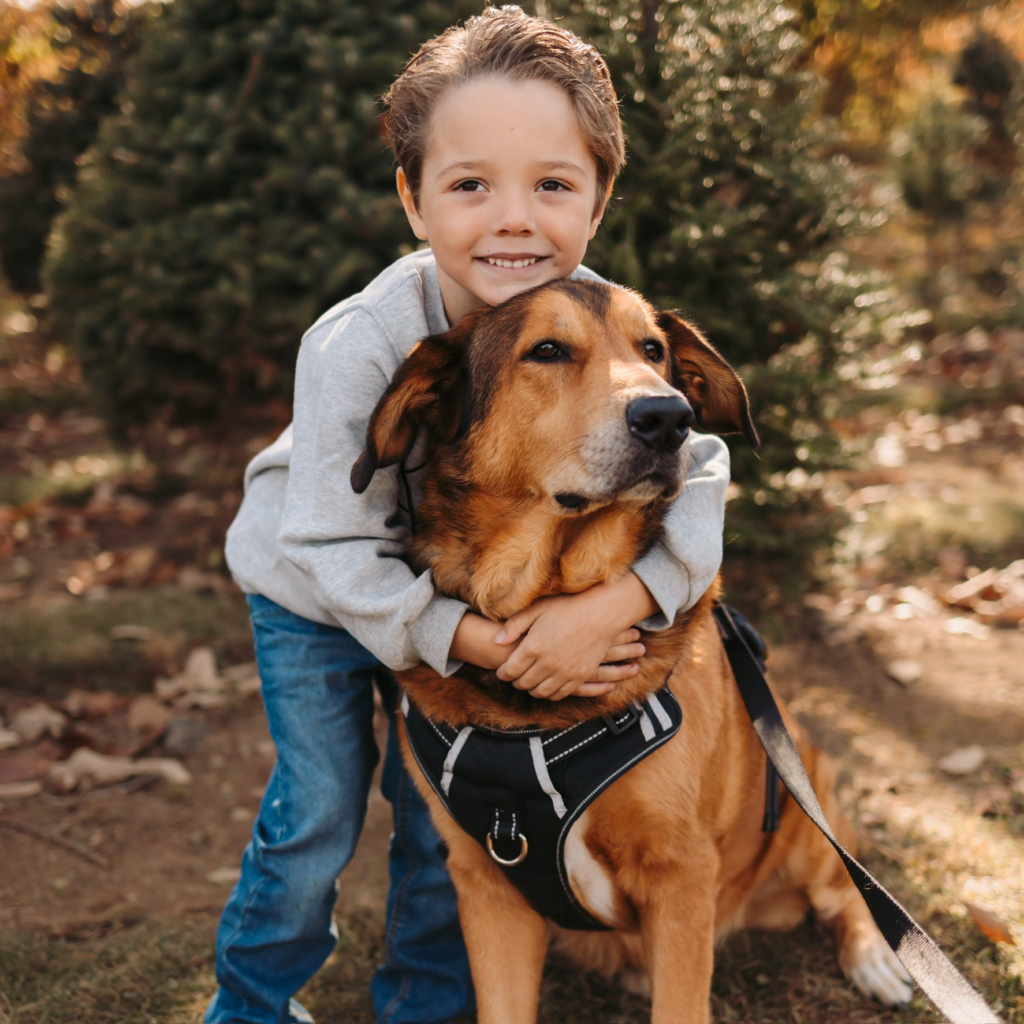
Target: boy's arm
pixel 685 560
pixel 348 546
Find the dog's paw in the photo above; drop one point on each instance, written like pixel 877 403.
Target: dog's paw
pixel 878 973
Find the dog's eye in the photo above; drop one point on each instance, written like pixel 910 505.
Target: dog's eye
pixel 654 351
pixel 547 352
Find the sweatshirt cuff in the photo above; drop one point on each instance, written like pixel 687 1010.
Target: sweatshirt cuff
pixel 669 583
pixel 433 630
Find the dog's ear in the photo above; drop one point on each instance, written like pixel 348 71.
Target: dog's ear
pixel 711 385
pixel 428 389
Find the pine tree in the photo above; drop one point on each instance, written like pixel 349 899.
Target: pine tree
pixel 91 41
pixel 729 209
pixel 240 190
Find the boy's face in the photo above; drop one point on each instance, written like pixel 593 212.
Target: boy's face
pixel 508 192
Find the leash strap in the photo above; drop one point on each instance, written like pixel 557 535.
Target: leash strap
pixel 928 966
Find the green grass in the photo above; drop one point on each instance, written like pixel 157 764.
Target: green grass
pixel 150 974
pixel 52 651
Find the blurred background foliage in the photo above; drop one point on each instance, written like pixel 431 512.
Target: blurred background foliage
pixel 220 179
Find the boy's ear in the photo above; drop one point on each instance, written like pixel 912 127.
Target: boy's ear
pixel 711 385
pixel 428 389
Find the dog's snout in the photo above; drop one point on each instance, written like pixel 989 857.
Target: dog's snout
pixel 661 423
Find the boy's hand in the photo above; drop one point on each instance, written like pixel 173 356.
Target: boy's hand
pixel 569 639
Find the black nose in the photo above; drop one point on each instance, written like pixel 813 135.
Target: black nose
pixel 661 423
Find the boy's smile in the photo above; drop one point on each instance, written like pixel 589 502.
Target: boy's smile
pixel 508 192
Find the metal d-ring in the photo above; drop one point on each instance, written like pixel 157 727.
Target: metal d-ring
pixel 523 850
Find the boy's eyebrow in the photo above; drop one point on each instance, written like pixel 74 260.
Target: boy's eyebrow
pixel 547 165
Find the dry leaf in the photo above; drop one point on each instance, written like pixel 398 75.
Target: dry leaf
pixel 963 761
pixel 86 704
pixel 20 790
pixel 224 876
pixel 905 671
pixel 32 722
pixel 991 925
pixel 105 771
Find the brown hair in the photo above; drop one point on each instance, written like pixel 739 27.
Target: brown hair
pixel 505 41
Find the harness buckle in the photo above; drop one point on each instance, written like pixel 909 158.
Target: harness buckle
pixel 632 717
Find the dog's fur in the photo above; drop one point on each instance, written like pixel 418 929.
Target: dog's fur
pixel 671 855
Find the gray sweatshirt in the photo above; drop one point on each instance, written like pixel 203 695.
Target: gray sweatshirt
pixel 304 539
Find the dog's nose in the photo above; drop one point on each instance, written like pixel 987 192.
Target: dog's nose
pixel 661 423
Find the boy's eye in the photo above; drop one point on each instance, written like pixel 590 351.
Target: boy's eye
pixel 551 185
pixel 472 185
pixel 547 351
pixel 654 351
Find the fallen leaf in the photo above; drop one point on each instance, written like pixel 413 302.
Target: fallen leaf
pixel 88 704
pixel 20 790
pixel 991 925
pixel 961 626
pixel 103 770
pixel 905 671
pixel 963 761
pixel 32 722
pixel 148 715
pixel 224 876
pixel 965 593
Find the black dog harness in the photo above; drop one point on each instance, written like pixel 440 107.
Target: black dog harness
pixel 518 791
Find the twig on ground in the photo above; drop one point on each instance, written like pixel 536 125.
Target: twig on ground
pixel 58 840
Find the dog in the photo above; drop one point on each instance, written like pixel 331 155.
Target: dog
pixel 554 428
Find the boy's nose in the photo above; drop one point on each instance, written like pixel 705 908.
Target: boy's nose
pixel 515 217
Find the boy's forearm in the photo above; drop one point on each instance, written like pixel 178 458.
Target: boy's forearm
pixel 473 642
pixel 627 601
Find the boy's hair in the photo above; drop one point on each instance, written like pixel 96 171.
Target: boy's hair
pixel 505 42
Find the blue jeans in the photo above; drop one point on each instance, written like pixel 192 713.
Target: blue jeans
pixel 276 929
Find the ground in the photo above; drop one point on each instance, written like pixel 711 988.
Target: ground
pixel 111 576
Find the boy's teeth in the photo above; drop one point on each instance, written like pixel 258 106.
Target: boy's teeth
pixel 495 262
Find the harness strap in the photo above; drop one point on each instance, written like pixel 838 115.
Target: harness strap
pixel 927 964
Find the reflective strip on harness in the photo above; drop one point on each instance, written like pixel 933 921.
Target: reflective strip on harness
pixel 449 761
pixel 540 766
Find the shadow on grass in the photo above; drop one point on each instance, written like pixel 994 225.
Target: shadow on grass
pixel 147 975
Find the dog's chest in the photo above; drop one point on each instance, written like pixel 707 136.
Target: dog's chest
pixel 591 881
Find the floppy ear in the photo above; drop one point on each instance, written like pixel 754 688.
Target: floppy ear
pixel 428 389
pixel 712 386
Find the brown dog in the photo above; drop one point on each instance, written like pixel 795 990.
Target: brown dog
pixel 548 474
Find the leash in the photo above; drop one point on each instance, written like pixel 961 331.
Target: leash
pixel 944 985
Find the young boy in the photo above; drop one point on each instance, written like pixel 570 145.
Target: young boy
pixel 508 140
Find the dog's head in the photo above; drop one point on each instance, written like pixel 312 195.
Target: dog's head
pixel 575 393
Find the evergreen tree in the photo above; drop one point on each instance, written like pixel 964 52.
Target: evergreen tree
pixel 729 209
pixel 242 188
pixel 91 41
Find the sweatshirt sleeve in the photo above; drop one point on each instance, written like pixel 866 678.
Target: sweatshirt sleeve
pixel 348 546
pixel 684 561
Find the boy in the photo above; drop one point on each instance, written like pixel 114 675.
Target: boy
pixel 508 141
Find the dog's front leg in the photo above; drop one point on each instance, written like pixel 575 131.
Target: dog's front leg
pixel 677 920
pixel 505 937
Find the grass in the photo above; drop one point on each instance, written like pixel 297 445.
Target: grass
pixel 147 976
pixel 51 651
